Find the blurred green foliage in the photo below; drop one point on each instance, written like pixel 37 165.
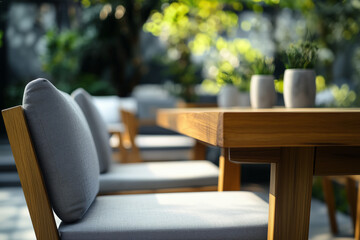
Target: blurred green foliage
pixel 204 28
pixel 197 28
pixel 64 55
pixel 192 28
pixel 233 57
pixel 263 66
pixel 344 96
pixel 302 55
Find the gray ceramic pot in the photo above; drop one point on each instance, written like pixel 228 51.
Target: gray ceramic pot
pixel 228 96
pixel 244 99
pixel 262 91
pixel 299 88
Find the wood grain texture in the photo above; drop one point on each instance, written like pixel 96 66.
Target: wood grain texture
pixel 254 155
pixel 290 194
pixel 30 174
pixel 329 196
pixel 201 124
pixel 339 160
pixel 229 173
pixel 266 127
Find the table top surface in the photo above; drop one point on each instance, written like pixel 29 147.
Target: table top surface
pixel 275 127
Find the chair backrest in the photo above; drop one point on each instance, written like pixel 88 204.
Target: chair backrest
pixel 97 126
pixel 31 177
pixel 55 156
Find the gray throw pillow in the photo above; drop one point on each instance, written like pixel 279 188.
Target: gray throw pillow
pixel 64 147
pixel 97 126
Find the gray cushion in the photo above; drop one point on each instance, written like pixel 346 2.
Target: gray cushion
pixel 97 126
pixel 64 146
pixel 159 175
pixel 205 215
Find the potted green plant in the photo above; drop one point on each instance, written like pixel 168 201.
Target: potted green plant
pixel 262 89
pixel 229 94
pixel 299 77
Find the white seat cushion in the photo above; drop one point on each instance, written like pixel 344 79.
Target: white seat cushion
pixel 164 141
pixel 158 175
pixel 205 215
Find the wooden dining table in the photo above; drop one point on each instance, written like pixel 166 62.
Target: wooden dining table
pixel 298 143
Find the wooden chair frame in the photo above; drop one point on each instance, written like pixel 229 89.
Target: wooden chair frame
pixel 350 183
pixel 31 178
pixel 131 127
pixel 32 181
pixel 121 154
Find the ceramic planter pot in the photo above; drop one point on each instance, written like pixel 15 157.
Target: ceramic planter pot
pixel 244 99
pixel 228 96
pixel 299 88
pixel 262 91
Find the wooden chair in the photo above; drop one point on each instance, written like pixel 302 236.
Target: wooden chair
pixel 116 132
pixel 131 127
pixel 132 124
pixel 211 215
pixel 133 142
pixel 149 177
pixel 350 183
pixel 353 195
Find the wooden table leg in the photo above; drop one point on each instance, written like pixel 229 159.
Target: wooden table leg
pixel 229 175
pixel 290 194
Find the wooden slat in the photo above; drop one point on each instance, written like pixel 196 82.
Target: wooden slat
pixel 254 155
pixel 266 127
pixel 329 196
pixel 290 194
pixel 165 190
pixel 30 174
pixel 131 125
pixel 351 195
pixel 279 129
pixel 357 223
pixel 229 173
pixel 337 161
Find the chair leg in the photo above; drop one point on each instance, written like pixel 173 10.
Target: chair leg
pixel 131 130
pixel 357 223
pixel 199 151
pixel 330 203
pixel 351 195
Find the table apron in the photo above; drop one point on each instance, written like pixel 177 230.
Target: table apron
pixel 329 160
